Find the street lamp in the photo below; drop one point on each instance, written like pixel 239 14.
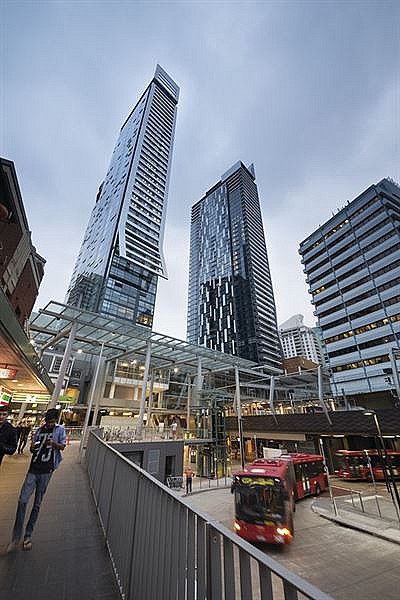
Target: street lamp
pixel 390 480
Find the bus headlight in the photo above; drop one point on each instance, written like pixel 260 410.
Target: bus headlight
pixel 236 526
pixel 284 531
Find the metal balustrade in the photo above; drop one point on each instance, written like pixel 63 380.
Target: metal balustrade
pixel 161 548
pixel 73 433
pixel 127 434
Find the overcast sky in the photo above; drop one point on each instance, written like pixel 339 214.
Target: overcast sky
pixel 307 91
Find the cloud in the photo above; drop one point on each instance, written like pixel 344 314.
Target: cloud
pixel 306 91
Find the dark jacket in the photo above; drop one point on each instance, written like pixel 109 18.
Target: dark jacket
pixel 8 439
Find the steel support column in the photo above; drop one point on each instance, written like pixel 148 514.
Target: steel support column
pixel 91 398
pixel 139 425
pixel 239 416
pixel 63 367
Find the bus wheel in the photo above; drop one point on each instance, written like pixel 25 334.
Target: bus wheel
pixel 317 490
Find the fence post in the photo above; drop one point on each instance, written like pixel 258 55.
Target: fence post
pixel 111 496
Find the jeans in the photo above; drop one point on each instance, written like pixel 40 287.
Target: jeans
pixel 33 482
pixel 188 485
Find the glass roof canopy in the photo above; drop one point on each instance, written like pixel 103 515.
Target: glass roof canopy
pixel 120 339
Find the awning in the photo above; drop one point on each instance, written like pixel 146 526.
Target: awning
pixel 121 339
pixel 21 368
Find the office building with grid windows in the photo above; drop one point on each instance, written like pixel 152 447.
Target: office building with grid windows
pixel 352 264
pixel 231 304
pixel 299 340
pixel 121 257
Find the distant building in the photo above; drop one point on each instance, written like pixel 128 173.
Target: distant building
pixel 21 267
pixel 352 263
pixel 231 304
pixel 121 257
pixel 299 340
pixel 297 364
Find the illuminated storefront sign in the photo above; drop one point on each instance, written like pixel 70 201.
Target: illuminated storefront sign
pixel 5 396
pixel 6 373
pixel 31 398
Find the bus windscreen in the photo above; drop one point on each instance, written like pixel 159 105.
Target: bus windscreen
pixel 259 499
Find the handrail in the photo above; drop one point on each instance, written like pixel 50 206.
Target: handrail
pixel 161 548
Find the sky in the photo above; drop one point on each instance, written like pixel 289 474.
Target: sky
pixel 307 91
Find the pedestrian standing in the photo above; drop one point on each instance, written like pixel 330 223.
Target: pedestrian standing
pixel 47 444
pixel 189 479
pixel 174 427
pixel 8 434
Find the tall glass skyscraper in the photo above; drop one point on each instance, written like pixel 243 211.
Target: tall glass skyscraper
pixel 231 304
pixel 121 256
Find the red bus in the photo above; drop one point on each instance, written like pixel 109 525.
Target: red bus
pixel 353 464
pixel 310 475
pixel 265 492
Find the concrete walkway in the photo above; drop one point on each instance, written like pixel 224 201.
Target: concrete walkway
pixel 68 560
pixel 362 515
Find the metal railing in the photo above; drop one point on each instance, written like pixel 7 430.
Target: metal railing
pixel 161 548
pixel 123 433
pixel 360 501
pixel 74 433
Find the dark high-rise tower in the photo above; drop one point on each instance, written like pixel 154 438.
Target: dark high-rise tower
pixel 231 301
pixel 121 257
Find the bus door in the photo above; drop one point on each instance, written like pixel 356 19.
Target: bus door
pixel 302 480
pixel 305 479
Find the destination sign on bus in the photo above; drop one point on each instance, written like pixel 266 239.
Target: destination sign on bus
pixel 257 481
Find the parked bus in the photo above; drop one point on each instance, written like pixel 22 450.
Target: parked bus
pixel 353 464
pixel 265 493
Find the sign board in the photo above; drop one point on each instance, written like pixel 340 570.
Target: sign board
pixel 6 373
pixel 5 398
pixel 31 398
pixel 257 480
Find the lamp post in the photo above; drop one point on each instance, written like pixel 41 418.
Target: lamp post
pixel 387 467
pixel 321 445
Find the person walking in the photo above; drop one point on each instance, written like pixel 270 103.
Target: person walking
pixel 23 436
pixel 8 434
pixel 189 479
pixel 46 446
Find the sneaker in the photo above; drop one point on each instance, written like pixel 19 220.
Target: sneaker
pixel 11 546
pixel 27 545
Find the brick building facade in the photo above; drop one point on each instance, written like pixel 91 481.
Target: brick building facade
pixel 21 267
